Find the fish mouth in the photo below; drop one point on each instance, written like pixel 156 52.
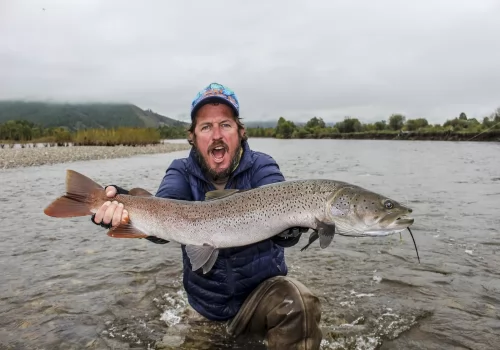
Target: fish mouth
pixel 218 151
pixel 404 221
pixel 397 225
pixel 396 222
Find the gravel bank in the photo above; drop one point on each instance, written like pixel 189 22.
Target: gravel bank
pixel 25 157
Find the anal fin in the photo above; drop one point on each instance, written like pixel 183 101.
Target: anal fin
pixel 202 256
pixel 126 230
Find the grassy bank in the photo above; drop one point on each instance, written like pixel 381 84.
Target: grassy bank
pixel 493 135
pixel 25 133
pixel 396 128
pixel 114 137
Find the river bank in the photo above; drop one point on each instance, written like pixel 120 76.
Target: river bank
pixel 26 157
pixel 492 136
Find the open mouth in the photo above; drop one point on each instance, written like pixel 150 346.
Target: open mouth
pixel 218 153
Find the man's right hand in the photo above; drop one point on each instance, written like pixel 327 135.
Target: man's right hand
pixel 111 213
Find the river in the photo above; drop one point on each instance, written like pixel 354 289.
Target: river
pixel 66 285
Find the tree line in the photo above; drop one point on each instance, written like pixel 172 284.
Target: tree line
pixel 22 131
pixel 397 124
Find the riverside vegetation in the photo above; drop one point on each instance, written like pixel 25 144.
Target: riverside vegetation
pixel 24 143
pixel 24 132
pixel 396 127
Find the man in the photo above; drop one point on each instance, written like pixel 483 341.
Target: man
pixel 247 285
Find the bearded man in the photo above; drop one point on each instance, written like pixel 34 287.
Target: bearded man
pixel 248 286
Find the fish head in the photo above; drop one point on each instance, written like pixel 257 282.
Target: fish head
pixel 357 211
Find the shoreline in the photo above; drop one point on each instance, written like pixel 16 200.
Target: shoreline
pixel 11 158
pixel 438 136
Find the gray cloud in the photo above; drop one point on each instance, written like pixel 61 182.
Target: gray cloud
pixel 367 59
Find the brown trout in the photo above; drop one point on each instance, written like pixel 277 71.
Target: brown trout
pixel 232 218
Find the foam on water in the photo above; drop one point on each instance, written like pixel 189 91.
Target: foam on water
pixel 174 306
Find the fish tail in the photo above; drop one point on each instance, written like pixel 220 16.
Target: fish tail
pixel 81 195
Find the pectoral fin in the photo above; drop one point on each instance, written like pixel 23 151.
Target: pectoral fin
pixel 202 256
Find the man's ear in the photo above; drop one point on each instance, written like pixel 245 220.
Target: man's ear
pixel 243 131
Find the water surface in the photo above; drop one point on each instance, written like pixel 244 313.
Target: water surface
pixel 65 284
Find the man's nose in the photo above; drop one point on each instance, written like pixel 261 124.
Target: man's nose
pixel 216 134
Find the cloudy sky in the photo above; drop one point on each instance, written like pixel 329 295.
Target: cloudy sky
pixel 298 59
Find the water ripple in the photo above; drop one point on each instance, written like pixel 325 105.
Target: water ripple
pixel 66 284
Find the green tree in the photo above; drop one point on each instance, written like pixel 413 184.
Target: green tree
pixel 285 128
pixel 396 121
pixel 349 125
pixel 381 125
pixel 315 123
pixel 415 124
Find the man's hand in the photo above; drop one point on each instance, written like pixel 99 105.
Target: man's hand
pixel 293 232
pixel 110 214
pixel 289 237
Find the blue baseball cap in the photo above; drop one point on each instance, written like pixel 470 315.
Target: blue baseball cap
pixel 215 93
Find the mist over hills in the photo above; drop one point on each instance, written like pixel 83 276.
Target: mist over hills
pixel 77 116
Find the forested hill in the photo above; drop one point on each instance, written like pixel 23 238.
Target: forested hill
pixel 80 116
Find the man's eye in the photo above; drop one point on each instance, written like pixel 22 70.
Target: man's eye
pixel 204 128
pixel 226 125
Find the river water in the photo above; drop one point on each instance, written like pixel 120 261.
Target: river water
pixel 65 285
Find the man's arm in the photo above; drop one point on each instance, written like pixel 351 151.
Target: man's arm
pixel 173 185
pixel 268 173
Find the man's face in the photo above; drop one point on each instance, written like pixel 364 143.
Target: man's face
pixel 217 139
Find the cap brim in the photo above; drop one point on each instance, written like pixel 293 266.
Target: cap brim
pixel 212 99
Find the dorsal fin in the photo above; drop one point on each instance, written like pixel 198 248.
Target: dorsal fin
pixel 218 194
pixel 141 192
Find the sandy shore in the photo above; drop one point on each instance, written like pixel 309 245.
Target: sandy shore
pixel 25 157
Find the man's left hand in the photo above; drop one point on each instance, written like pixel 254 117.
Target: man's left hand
pixel 289 237
pixel 293 232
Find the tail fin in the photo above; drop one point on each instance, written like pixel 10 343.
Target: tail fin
pixel 80 194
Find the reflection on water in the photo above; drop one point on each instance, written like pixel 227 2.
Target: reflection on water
pixel 65 284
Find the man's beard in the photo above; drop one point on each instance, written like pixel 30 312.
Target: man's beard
pixel 213 174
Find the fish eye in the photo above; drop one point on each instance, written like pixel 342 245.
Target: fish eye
pixel 388 204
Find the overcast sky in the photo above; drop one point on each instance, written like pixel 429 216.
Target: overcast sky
pixel 297 59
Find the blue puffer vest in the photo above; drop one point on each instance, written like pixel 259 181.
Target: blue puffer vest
pixel 219 294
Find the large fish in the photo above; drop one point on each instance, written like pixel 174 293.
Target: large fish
pixel 231 218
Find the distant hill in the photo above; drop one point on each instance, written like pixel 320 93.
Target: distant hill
pixel 85 115
pixel 260 124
